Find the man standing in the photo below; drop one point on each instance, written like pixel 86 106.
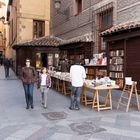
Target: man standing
pixel 64 66
pixel 6 64
pixel 77 75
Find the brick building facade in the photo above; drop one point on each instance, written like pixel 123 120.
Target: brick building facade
pixel 87 21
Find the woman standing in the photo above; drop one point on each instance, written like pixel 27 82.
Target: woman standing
pixel 28 77
pixel 44 84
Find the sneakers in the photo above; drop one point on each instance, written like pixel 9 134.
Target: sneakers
pixel 71 108
pixel 44 107
pixel 76 108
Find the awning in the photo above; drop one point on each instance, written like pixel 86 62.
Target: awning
pixel 42 41
pixel 122 27
pixel 83 38
pixel 53 41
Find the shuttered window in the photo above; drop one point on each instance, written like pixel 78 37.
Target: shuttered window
pixel 106 19
pixel 38 28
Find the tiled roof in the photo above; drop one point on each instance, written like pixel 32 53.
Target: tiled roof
pixel 83 38
pixel 122 27
pixel 42 41
pixel 54 41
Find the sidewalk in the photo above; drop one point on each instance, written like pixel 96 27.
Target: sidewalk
pixel 2 74
pixel 57 122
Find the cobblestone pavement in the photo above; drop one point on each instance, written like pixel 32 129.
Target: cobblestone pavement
pixel 57 122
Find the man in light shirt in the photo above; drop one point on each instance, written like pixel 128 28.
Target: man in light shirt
pixel 77 75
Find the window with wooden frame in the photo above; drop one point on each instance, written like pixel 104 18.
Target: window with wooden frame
pixel 105 22
pixel 38 28
pixel 78 7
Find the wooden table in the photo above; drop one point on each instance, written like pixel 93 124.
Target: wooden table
pixel 95 101
pixel 62 81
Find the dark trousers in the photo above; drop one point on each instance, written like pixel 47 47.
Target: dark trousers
pixel 75 97
pixel 6 71
pixel 28 88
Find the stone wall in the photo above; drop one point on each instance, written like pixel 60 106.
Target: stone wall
pixel 32 10
pixel 128 10
pixel 75 25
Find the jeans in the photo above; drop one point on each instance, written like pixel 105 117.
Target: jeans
pixel 44 91
pixel 6 71
pixel 75 97
pixel 28 88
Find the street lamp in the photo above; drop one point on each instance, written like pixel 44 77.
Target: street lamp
pixel 57 4
pixel 2 19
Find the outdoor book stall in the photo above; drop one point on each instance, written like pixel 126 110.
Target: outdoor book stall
pixel 61 83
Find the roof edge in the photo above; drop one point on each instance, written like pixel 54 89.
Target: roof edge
pixel 122 27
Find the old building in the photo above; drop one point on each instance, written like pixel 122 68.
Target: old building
pixel 2 28
pixel 123 43
pixel 79 17
pixel 81 25
pixel 27 20
pixel 83 17
pixel 114 25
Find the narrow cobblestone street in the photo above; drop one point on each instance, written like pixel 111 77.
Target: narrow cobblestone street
pixel 57 122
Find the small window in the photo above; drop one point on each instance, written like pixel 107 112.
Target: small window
pixel 78 6
pixel 38 28
pixel 103 44
pixel 56 59
pixel 105 22
pixel 38 60
pixel 50 59
pixel 106 19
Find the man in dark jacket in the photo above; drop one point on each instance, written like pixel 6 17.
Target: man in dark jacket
pixel 64 66
pixel 6 64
